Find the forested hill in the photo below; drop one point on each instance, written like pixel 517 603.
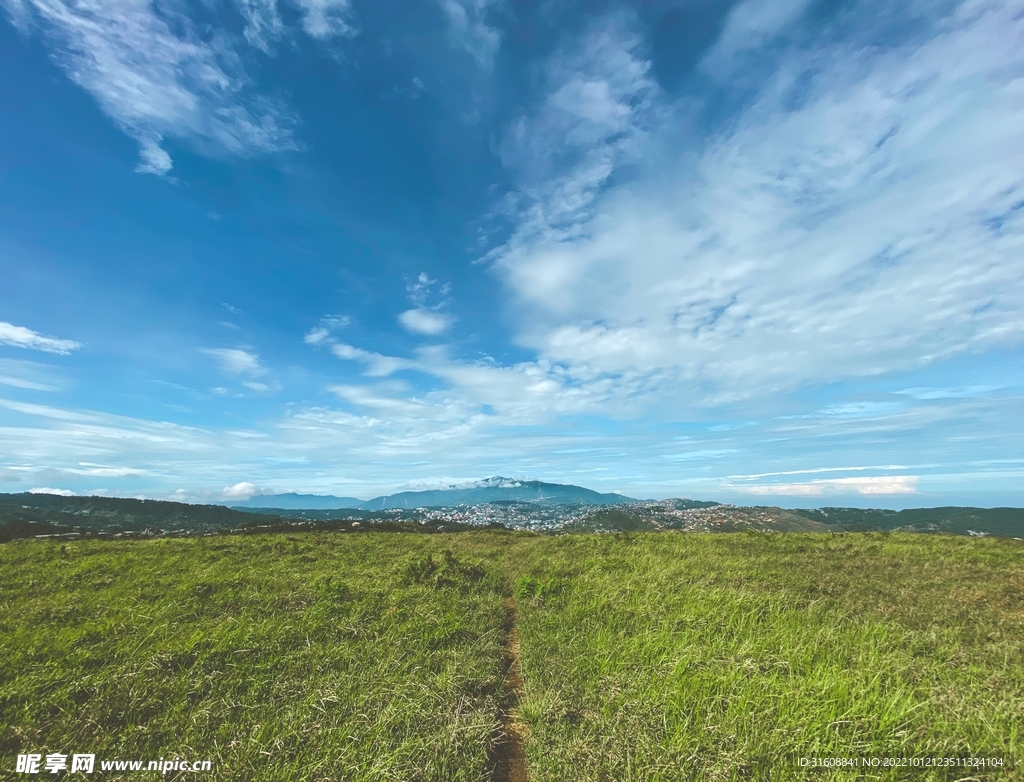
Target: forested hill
pixel 1004 522
pixel 26 515
pixel 36 515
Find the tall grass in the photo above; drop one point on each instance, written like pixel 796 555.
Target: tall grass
pixel 326 657
pixel 714 657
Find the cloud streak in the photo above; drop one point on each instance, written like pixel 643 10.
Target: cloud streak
pixel 883 485
pixel 377 365
pixel 21 337
pixel 237 361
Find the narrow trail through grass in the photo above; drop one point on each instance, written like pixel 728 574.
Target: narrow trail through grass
pixel 508 756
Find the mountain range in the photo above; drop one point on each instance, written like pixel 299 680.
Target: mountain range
pixel 491 490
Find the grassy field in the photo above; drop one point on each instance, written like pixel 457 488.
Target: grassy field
pixel 645 657
pixel 732 656
pixel 321 657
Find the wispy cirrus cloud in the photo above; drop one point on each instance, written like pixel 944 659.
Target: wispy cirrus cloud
pixel 326 19
pixel 244 365
pixel 377 365
pixel 22 337
pixel 159 76
pixel 322 332
pixel 750 26
pixel 524 393
pixel 237 361
pixel 860 214
pixel 468 29
pixel 263 25
pixel 594 117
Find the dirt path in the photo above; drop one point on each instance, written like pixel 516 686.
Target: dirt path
pixel 508 757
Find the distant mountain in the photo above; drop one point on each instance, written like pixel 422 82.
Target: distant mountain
pixel 490 490
pixel 293 501
pixel 496 490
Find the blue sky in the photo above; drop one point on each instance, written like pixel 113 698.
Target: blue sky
pixel 766 251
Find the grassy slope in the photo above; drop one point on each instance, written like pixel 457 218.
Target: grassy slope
pixel 728 657
pixel 651 657
pixel 307 658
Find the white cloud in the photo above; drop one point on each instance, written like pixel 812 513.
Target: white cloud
pixel 105 470
pixel 874 485
pixel 377 365
pixel 425 321
pixel 749 26
pixel 419 289
pixel 861 215
pixel 260 388
pixel 48 490
pixel 236 361
pixel 395 406
pixel 484 422
pixel 594 117
pixel 699 455
pixel 45 411
pixel 823 469
pixel 324 19
pixel 240 491
pixel 20 382
pixel 316 336
pixel 156 75
pixel 528 392
pixel 30 375
pixel 328 324
pixel 955 392
pixel 468 29
pixel 263 24
pixel 22 337
pixel 19 13
pixel 245 365
pixel 153 159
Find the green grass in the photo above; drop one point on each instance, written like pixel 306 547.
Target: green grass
pixel 713 657
pixel 645 657
pixel 314 658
